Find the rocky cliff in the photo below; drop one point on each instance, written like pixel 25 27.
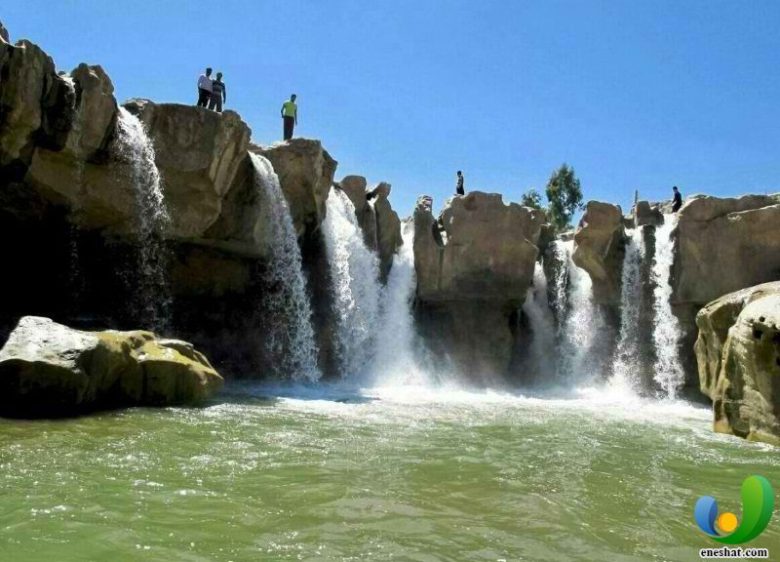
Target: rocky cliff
pixel 474 266
pixel 738 352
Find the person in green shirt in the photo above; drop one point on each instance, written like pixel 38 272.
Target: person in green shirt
pixel 290 116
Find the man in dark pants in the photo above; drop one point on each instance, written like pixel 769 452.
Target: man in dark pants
pixel 218 93
pixel 204 88
pixel 459 185
pixel 290 116
pixel 677 200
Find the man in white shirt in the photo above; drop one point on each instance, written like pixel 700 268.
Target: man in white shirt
pixel 204 88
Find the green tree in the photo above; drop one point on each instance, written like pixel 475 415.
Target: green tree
pixel 531 198
pixel 565 196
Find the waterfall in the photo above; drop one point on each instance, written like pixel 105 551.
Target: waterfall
pixel 626 365
pixel 354 273
pixel 579 330
pixel 290 336
pixel 542 322
pixel 401 358
pixel 666 331
pixel 152 220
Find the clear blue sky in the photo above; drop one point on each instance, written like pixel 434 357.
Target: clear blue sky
pixel 633 94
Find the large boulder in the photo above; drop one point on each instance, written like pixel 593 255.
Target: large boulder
pixel 487 252
pixel 198 153
pixel 599 250
pixel 724 245
pixel 355 188
pixel 48 369
pixel 474 266
pixel 305 171
pixel 738 353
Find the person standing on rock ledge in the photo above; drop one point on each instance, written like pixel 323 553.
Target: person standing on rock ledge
pixel 218 94
pixel 290 116
pixel 459 185
pixel 676 200
pixel 204 89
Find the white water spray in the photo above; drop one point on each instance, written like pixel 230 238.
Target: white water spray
pixel 582 323
pixel 666 332
pixel 626 367
pixel 133 144
pixel 401 359
pixel 290 339
pixel 541 320
pixel 354 271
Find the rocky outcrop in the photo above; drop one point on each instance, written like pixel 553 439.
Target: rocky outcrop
pixel 305 171
pixel 474 266
pixel 355 189
pixel 4 33
pixel 388 228
pixel 647 215
pixel 738 354
pixel 198 153
pixel 48 369
pixel 599 249
pixel 724 245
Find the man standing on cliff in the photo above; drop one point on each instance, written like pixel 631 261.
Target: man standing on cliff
pixel 677 200
pixel 459 185
pixel 204 88
pixel 290 116
pixel 218 93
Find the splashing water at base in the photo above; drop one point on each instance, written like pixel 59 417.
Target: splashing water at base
pixel 290 338
pixel 669 373
pixel 133 144
pixel 354 271
pixel 625 367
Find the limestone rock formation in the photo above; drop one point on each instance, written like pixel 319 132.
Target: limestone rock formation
pixel 48 369
pixel 725 244
pixel 355 188
pixel 645 214
pixel 198 153
pixel 305 171
pixel 388 228
pixel 738 353
pixel 474 267
pixel 599 249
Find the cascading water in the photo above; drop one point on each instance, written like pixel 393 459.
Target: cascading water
pixel 625 367
pixel 581 324
pixel 666 331
pixel 401 359
pixel 354 271
pixel 290 338
pixel 153 296
pixel 542 322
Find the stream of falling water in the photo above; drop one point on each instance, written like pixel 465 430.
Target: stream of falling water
pixel 354 271
pixel 290 339
pixel 625 367
pixel 152 220
pixel 666 330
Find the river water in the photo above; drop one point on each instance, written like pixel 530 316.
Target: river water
pixel 327 473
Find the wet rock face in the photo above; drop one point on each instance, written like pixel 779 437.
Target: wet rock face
pixel 738 352
pixel 599 249
pixel 474 267
pixel 48 369
pixel 305 171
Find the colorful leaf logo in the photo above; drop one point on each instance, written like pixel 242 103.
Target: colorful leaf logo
pixel 758 503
